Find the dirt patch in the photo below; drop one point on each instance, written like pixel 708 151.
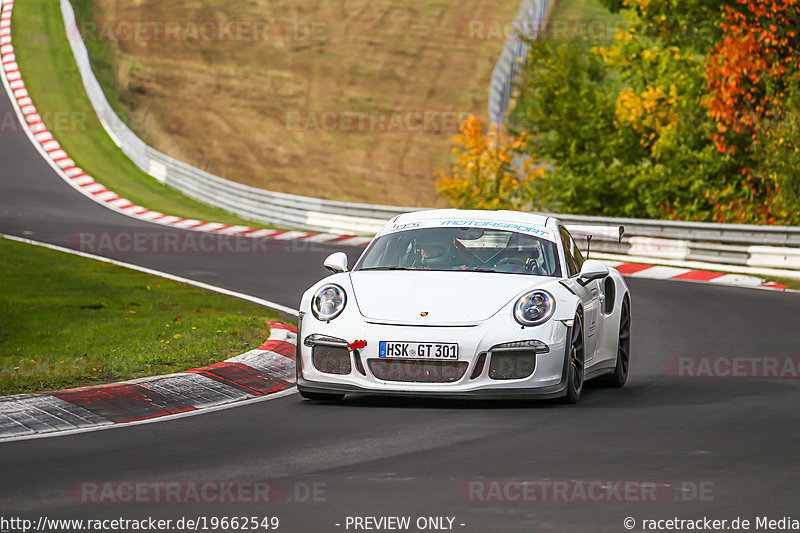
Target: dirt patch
pixel 352 101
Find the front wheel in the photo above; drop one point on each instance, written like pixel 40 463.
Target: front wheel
pixel 321 396
pixel 575 363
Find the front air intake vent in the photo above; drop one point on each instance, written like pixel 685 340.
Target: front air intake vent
pixel 417 371
pixel 510 364
pixel 331 359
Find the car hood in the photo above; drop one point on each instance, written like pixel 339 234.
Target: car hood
pixel 448 298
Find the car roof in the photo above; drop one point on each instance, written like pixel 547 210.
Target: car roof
pixel 518 217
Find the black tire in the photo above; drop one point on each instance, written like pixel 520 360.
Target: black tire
pixel 620 375
pixel 575 369
pixel 321 396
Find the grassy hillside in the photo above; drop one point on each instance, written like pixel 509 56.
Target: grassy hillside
pixel 340 74
pixel 54 83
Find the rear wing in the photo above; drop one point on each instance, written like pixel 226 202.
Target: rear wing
pixel 603 233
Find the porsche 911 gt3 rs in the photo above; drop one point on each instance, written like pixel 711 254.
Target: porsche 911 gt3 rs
pixel 471 304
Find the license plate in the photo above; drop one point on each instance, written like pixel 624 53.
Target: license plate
pixel 418 350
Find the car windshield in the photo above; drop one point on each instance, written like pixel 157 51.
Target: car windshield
pixel 462 249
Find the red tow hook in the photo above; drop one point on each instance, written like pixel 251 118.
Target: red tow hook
pixel 356 345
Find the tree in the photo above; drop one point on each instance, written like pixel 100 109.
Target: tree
pixel 691 112
pixel 752 76
pixel 488 173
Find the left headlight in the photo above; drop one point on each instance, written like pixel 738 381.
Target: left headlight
pixel 328 302
pixel 534 308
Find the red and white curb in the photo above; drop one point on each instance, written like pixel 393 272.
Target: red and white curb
pixel 75 176
pixel 639 270
pixel 268 369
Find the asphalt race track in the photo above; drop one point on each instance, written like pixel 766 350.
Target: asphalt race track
pixel 715 447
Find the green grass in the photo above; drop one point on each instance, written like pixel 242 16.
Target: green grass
pixel 67 321
pixel 582 10
pixel 53 81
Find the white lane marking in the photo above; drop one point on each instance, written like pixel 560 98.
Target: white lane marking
pixel 266 397
pixel 173 277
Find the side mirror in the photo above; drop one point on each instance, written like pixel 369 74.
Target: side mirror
pixel 337 262
pixel 593 269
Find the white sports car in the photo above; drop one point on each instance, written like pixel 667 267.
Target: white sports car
pixel 471 304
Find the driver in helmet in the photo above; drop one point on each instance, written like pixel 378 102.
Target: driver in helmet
pixel 437 249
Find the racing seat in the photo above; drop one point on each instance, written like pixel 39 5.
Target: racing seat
pixel 520 258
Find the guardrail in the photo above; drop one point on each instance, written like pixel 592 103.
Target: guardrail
pixel 729 244
pixel 530 17
pixel 734 244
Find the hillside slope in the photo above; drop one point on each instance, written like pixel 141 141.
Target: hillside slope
pixel 298 94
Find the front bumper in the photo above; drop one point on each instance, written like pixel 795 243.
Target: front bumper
pixel 508 393
pixel 547 380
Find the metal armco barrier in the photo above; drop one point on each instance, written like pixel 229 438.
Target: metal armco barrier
pixel 530 18
pixel 734 244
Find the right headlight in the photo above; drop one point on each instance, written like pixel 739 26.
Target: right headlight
pixel 534 308
pixel 328 302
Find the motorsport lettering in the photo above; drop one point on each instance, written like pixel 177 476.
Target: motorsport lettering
pixel 497 225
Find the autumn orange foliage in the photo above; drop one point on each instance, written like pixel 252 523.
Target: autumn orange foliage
pixel 750 75
pixel 488 173
pixel 747 71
